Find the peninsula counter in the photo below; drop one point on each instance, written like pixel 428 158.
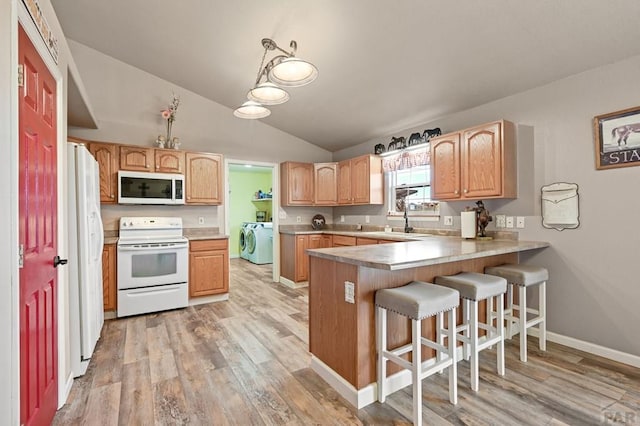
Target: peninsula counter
pixel 342 333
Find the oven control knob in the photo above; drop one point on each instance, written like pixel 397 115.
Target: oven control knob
pixel 124 224
pixel 130 223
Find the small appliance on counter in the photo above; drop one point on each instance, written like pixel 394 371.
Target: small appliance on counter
pixel 261 216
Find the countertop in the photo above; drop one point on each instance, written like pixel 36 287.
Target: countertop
pixel 428 250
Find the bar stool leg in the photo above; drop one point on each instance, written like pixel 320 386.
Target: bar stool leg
pixel 473 330
pixel 416 368
pixel 542 312
pixel 381 327
pixel 500 329
pixel 453 368
pixel 522 321
pixel 510 310
pixel 465 320
pixel 439 336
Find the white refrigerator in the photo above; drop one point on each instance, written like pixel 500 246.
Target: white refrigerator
pixel 86 239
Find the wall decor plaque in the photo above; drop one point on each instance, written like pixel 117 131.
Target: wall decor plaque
pixel 560 206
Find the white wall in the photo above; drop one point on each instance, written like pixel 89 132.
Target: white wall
pixel 594 290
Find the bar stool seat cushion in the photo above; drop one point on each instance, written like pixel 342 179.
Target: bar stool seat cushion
pixel 473 285
pixel 520 274
pixel 418 300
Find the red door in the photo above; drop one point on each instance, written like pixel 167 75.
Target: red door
pixel 37 233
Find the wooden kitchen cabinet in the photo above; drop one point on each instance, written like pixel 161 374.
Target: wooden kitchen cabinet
pixel 325 184
pixel 137 158
pixel 203 178
pixel 106 154
pixel 343 241
pixel 297 184
pixel 296 268
pixel 169 161
pixel 475 163
pixel 208 267
pixel 360 181
pixel 109 283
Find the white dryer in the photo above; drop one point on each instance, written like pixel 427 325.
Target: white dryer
pixel 243 239
pixel 259 241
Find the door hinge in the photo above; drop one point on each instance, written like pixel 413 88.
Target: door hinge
pixel 20 75
pixel 21 256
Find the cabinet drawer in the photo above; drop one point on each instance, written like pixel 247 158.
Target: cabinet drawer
pixel 365 241
pixel 204 245
pixel 342 240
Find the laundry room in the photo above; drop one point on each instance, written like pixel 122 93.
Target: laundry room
pixel 250 213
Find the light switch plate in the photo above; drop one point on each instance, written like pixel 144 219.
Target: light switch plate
pixel 520 222
pixel 501 221
pixel 509 221
pixel 341 218
pixel 448 220
pixel 367 219
pixel 298 219
pixel 200 220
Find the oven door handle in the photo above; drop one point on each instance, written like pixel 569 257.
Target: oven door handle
pixel 154 247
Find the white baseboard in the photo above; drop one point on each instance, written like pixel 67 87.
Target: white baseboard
pixel 292 284
pixel 65 391
pixel 234 256
pixel 208 299
pixel 591 348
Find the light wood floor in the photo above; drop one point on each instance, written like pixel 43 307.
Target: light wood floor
pixel 245 362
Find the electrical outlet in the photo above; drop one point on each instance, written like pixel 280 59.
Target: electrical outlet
pixel 501 221
pixel 520 222
pixel 366 219
pixel 341 218
pixel 349 292
pixel 448 220
pixel 200 220
pixel 298 219
pixel 509 221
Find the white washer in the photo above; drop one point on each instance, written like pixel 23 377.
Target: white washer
pixel 243 239
pixel 259 241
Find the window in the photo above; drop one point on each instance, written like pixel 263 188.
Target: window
pixel 410 189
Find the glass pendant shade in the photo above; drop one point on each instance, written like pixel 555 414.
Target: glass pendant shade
pixel 251 110
pixel 293 72
pixel 268 94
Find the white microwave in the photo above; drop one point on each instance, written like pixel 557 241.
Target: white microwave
pixel 150 188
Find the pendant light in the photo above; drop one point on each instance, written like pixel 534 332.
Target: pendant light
pixel 282 70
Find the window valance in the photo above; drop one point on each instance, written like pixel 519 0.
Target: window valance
pixel 407 159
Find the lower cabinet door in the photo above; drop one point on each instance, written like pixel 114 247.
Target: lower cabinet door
pixel 208 272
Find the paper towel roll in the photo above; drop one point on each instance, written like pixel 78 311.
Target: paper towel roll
pixel 468 224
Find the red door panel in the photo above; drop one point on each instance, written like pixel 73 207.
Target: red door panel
pixel 37 234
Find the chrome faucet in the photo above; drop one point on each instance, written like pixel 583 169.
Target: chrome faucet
pixel 407 228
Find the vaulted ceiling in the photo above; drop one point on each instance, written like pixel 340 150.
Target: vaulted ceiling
pixel 384 65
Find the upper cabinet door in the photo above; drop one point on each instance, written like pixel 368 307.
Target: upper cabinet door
pixel 445 167
pixel 297 184
pixel 344 182
pixel 106 154
pixel 482 168
pixel 169 161
pixel 326 184
pixel 203 178
pixel 136 158
pixel 367 180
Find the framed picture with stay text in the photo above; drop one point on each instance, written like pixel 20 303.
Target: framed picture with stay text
pixel 617 138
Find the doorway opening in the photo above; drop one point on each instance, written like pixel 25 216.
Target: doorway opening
pixel 251 212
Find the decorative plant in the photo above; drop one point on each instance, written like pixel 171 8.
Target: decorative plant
pixel 169 114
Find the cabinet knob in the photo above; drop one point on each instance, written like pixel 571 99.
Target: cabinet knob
pixel 466 190
pixel 456 192
pixel 112 196
pixel 146 166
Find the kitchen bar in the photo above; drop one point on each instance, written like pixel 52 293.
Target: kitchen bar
pixel 342 327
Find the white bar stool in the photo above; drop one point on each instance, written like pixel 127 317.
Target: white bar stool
pixel 524 276
pixel 474 287
pixel 417 301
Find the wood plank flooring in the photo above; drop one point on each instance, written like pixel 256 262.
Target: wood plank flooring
pixel 245 362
